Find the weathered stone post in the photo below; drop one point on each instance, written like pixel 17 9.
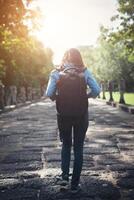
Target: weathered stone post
pixel 7 95
pixel 33 94
pixel 2 93
pixel 36 94
pixel 103 89
pixel 13 90
pixel 22 95
pixel 122 87
pixel 29 93
pixel 110 88
pixel 42 90
pixel 39 93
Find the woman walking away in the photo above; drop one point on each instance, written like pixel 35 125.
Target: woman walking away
pixel 68 86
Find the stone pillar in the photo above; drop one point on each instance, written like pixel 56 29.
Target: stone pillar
pixel 42 90
pixel 103 89
pixel 22 95
pixel 122 87
pixel 2 93
pixel 33 93
pixel 29 93
pixel 110 88
pixel 36 94
pixel 13 90
pixel 8 98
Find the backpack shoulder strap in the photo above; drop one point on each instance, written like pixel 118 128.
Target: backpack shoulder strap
pixel 69 68
pixel 79 70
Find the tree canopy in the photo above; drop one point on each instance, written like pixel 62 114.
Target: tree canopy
pixel 113 57
pixel 23 59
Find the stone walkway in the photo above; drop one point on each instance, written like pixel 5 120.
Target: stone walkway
pixel 30 154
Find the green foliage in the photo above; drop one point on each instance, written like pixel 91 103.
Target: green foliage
pixel 14 14
pixel 125 31
pixel 23 59
pixel 2 69
pixel 129 97
pixel 123 36
pixel 26 61
pixel 113 57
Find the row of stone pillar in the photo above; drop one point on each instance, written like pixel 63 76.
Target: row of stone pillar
pixel 12 96
pixel 110 88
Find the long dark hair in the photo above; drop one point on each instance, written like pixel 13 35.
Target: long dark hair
pixel 73 56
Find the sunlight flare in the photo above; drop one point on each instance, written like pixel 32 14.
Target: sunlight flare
pixel 72 23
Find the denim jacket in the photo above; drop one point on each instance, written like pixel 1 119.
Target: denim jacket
pixel 94 88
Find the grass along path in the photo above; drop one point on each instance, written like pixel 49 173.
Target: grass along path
pixel 129 97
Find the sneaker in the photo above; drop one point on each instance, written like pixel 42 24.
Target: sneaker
pixel 64 188
pixel 64 185
pixel 75 189
pixel 62 180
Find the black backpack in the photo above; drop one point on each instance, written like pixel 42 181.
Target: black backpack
pixel 72 92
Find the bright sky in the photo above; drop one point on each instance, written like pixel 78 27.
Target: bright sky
pixel 70 23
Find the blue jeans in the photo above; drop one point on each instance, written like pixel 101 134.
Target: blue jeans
pixel 72 127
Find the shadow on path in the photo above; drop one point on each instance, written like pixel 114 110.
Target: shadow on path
pixel 30 154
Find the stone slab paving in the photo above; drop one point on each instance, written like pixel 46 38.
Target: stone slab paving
pixel 30 154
